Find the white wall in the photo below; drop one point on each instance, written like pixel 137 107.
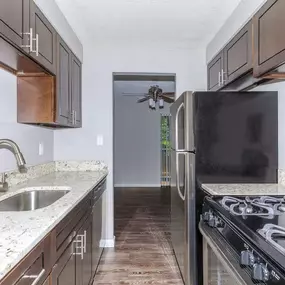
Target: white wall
pixel 101 60
pixel 244 11
pixel 28 137
pixel 137 135
pixel 58 20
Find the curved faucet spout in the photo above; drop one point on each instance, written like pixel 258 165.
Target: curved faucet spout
pixel 14 148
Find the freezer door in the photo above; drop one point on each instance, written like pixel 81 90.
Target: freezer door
pixel 182 116
pixel 183 214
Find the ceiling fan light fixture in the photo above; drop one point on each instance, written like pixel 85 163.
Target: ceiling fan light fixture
pixel 151 103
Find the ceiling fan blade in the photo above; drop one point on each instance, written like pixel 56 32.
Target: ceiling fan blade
pixel 169 94
pixel 143 99
pixel 167 99
pixel 134 94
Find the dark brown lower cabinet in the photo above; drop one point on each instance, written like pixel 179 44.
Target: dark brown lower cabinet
pixel 64 257
pixel 64 270
pixel 47 282
pixel 84 254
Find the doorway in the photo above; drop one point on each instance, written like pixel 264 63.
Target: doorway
pixel 143 252
pixel 141 138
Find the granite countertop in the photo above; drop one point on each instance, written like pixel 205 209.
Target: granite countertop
pixel 243 189
pixel 22 231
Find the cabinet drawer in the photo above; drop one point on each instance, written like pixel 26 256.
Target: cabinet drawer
pixel 34 268
pixel 98 191
pixel 66 230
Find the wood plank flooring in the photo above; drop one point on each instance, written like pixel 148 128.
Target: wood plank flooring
pixel 143 252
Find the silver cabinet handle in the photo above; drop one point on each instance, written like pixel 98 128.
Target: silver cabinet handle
pixel 31 40
pixel 75 117
pixel 30 45
pixel 37 45
pixel 84 241
pixel 219 78
pixel 80 245
pixel 222 75
pixel 37 277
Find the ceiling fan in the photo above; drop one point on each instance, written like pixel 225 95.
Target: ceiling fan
pixel 155 95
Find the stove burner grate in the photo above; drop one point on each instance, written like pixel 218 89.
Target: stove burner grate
pixel 251 207
pixel 273 234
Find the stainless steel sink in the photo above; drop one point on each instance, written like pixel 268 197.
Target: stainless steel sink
pixel 31 200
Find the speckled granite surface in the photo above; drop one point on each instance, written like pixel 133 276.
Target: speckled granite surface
pixel 21 231
pixel 281 176
pixel 15 178
pixel 244 189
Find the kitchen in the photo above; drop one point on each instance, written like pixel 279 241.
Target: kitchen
pixel 132 55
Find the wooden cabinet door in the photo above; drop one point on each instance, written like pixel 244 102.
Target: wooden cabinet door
pixel 96 234
pixel 63 82
pixel 47 282
pixel 46 43
pixel 238 54
pixel 14 20
pixel 76 90
pixel 87 261
pixel 269 42
pixel 215 68
pixel 64 271
pixel 84 260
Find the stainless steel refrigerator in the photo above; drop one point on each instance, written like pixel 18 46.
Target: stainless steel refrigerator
pixel 216 137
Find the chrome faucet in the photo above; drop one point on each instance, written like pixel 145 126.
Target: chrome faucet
pixel 14 148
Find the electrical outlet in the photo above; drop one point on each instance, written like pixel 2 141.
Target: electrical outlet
pixel 41 148
pixel 100 140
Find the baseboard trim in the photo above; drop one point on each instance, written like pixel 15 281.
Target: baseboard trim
pixel 107 242
pixel 137 185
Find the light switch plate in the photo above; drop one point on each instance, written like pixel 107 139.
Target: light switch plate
pixel 41 148
pixel 100 140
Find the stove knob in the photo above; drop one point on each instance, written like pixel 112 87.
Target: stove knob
pixel 206 216
pixel 213 222
pixel 247 258
pixel 260 272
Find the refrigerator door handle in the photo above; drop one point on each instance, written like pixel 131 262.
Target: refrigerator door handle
pixel 178 176
pixel 177 126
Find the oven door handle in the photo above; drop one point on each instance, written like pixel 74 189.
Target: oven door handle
pixel 231 265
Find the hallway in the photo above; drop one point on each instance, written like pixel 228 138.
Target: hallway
pixel 143 252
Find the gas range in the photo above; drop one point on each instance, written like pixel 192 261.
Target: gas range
pixel 255 228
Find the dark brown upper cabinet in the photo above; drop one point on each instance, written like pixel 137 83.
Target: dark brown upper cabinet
pixel 68 82
pixel 76 90
pixel 215 69
pixel 14 21
pixel 269 42
pixel 233 61
pixel 238 54
pixel 63 82
pixel 44 41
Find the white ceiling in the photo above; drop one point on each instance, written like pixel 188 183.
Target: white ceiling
pixel 187 21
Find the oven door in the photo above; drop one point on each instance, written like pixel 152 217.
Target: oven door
pixel 220 263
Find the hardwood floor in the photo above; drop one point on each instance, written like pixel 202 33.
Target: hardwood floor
pixel 143 252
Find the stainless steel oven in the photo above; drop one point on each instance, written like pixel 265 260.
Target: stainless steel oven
pixel 220 263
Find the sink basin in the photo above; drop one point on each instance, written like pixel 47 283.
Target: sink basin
pixel 31 200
